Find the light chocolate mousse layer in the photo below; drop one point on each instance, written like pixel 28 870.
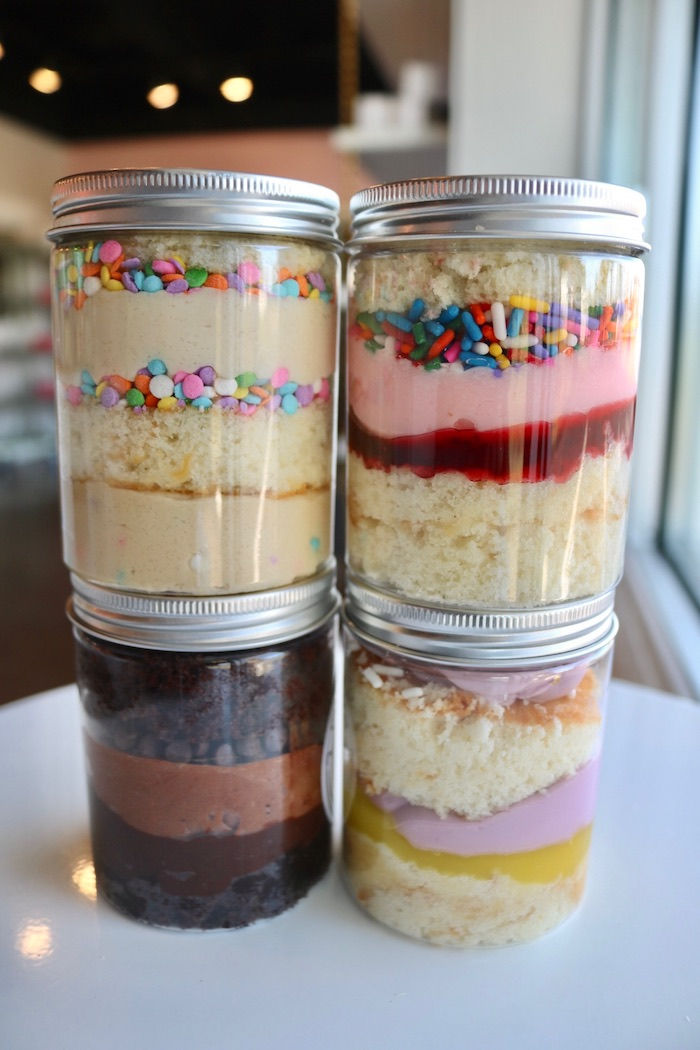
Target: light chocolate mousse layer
pixel 182 800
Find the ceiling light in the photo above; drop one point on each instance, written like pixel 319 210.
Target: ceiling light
pixel 45 80
pixel 163 96
pixel 236 89
pixel 2 50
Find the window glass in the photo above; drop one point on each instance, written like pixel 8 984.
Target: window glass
pixel 681 513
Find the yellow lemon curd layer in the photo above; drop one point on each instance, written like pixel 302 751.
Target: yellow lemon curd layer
pixel 539 865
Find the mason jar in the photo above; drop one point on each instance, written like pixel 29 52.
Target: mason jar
pixel 203 727
pixel 195 331
pixel 493 350
pixel 471 765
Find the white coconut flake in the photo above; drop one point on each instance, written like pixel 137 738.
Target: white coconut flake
pixel 372 677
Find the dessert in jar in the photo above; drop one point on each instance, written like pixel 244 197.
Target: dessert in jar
pixel 493 347
pixel 471 781
pixel 203 731
pixel 195 325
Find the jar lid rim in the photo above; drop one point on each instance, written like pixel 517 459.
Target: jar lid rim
pixel 489 661
pixel 493 206
pixel 194 199
pixel 486 637
pixel 203 623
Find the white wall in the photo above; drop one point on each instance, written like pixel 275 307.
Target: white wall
pixel 30 163
pixel 516 75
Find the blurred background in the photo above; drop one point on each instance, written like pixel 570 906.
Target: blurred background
pixel 347 93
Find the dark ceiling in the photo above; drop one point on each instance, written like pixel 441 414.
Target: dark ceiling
pixel 110 55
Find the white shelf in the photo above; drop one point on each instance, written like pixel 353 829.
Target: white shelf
pixel 387 139
pixel 623 973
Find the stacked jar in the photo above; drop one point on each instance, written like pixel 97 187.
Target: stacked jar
pixel 493 349
pixel 195 329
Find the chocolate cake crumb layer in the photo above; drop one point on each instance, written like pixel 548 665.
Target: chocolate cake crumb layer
pixel 143 876
pixel 204 774
pixel 207 881
pixel 225 707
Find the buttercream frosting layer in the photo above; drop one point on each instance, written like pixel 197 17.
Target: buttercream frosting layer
pixel 390 397
pixel 166 542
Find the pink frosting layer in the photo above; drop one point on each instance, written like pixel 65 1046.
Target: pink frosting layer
pixel 392 397
pixel 543 819
pixel 507 687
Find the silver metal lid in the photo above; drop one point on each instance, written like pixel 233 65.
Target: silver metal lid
pixel 190 199
pixel 494 638
pixel 203 624
pixel 500 206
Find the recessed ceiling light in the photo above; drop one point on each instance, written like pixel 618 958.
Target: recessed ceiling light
pixel 236 89
pixel 45 80
pixel 163 96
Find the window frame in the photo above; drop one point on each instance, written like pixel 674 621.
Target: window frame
pixel 666 31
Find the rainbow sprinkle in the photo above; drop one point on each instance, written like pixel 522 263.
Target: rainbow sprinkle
pixel 494 335
pixel 83 272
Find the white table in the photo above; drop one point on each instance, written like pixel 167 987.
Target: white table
pixel 623 974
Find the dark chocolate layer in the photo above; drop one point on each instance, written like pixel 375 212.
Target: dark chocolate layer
pixel 207 881
pixel 529 452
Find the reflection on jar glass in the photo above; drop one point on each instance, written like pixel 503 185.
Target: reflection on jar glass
pixel 204 776
pixel 470 792
pixel 196 391
pixel 491 388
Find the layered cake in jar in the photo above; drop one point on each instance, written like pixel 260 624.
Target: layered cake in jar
pixel 195 381
pixel 470 794
pixel 204 772
pixel 492 380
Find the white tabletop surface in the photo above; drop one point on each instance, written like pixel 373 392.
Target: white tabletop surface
pixel 623 974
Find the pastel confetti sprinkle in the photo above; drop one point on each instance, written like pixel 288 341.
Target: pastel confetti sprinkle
pixel 153 387
pixel 192 386
pixel 83 272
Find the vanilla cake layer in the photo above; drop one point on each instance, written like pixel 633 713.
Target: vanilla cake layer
pixel 201 452
pixel 481 273
pixel 487 544
pixel 445 750
pixel 456 910
pixel 168 542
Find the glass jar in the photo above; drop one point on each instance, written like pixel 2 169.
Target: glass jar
pixel 203 726
pixel 493 347
pixel 471 770
pixel 196 412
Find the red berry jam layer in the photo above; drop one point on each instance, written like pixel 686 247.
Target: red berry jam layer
pixel 529 452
